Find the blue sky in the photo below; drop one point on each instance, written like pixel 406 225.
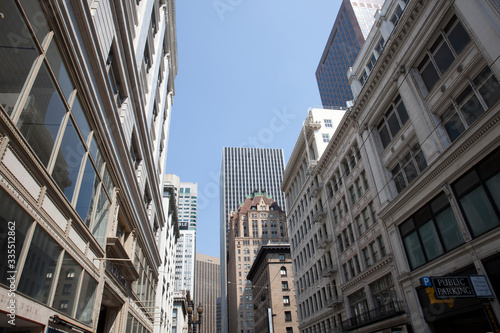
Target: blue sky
pixel 246 78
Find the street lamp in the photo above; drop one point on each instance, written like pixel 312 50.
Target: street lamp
pixel 193 322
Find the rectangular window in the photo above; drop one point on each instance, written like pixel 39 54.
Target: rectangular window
pixel 478 193
pixel 480 94
pixel 393 120
pixel 450 42
pixel 430 232
pixel 326 137
pixel 286 300
pixel 409 167
pixel 328 123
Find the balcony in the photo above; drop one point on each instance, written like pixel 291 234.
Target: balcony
pixel 319 215
pixel 329 270
pixel 316 189
pixel 392 309
pixel 334 301
pixel 324 242
pixel 119 264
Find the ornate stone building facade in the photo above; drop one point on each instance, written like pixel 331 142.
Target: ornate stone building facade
pixel 86 89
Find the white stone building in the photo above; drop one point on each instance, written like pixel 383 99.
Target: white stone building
pixel 410 180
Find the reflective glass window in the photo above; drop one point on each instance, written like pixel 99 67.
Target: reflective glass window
pixel 41 116
pixel 67 285
pixel 86 299
pixel 17 57
pixel 38 275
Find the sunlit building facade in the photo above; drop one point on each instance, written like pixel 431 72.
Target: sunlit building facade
pixel 86 90
pixel 207 290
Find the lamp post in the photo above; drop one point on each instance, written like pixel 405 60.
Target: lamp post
pixel 194 319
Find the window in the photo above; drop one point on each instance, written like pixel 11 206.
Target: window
pixel 114 79
pixel 359 305
pixel 380 46
pixel 288 315
pixel 480 94
pixel 384 294
pixel 284 285
pixel 397 15
pixel 430 232
pixel 364 77
pixel 326 137
pixel 393 120
pixel 328 123
pixel 282 257
pixel 286 300
pixel 289 330
pixel 409 167
pixel 450 42
pixel 371 62
pixel 283 271
pixel 478 193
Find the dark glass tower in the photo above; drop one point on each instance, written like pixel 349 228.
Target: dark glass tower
pixel 352 25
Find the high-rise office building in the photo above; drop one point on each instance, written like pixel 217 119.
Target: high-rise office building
pixel 257 221
pixel 85 102
pixel 187 198
pixel 352 25
pixel 207 290
pixel 244 171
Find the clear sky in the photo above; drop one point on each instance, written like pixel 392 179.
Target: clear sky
pixel 246 78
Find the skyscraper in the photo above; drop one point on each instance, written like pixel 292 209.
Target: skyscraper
pixel 187 197
pixel 243 171
pixel 352 25
pixel 207 290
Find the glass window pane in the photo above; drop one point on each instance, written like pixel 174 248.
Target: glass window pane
pixel 494 187
pixel 39 269
pixel 430 76
pixel 86 299
pixel 101 218
pixel 96 155
pixel 69 160
pixel 472 109
pixel 430 240
pixel 14 224
pixel 403 115
pixel 37 18
pixel 466 182
pixel 479 212
pixel 108 183
pixel 459 38
pixel 393 124
pixel 410 172
pixel 81 121
pixel 384 136
pixel 67 286
pixel 42 114
pixel 17 56
pixel 88 192
pixel 490 91
pixel 449 230
pixel 443 57
pixel 421 162
pixel 454 127
pixel 59 69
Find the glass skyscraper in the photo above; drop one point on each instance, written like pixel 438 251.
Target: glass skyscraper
pixel 352 25
pixel 244 171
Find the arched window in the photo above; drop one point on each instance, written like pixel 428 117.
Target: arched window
pixel 283 271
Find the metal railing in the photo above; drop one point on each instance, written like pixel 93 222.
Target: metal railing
pixel 388 310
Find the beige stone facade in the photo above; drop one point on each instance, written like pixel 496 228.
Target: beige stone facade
pixel 274 306
pixel 258 221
